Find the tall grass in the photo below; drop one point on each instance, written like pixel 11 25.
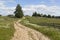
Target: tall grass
pixel 51 32
pixel 7 28
pixel 52 22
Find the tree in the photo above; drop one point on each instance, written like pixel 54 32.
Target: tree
pixel 53 16
pixel 10 15
pixel 44 15
pixel 0 15
pixel 39 15
pixel 18 12
pixel 34 14
pixel 49 16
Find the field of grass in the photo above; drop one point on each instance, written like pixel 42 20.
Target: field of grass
pixel 41 25
pixel 6 28
pixel 52 22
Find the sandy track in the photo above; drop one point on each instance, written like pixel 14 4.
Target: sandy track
pixel 25 33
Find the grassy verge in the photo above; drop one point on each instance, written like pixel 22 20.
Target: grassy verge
pixel 6 33
pixel 51 32
pixel 6 28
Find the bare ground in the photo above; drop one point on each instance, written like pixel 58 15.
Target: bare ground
pixel 25 33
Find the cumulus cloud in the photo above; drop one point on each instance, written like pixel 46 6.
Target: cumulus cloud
pixel 53 10
pixel 7 10
pixel 29 9
pixel 4 10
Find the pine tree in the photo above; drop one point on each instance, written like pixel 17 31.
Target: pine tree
pixel 18 12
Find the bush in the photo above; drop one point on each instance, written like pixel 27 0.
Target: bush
pixel 49 16
pixel 44 15
pixel 0 15
pixel 10 15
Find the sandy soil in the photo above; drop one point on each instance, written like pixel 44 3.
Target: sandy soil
pixel 25 33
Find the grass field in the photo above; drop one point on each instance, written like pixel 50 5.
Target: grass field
pixel 6 28
pixel 48 26
pixel 52 22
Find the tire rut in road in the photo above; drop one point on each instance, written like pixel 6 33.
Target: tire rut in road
pixel 25 33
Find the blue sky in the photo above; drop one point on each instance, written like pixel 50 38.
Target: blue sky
pixel 29 6
pixel 33 2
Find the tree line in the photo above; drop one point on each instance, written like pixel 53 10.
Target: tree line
pixel 35 14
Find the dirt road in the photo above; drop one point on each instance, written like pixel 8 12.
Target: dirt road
pixel 25 33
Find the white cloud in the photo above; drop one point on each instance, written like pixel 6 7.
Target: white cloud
pixel 53 10
pixel 7 10
pixel 29 9
pixel 4 10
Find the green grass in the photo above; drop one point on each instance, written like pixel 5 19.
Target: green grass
pixel 6 28
pixel 50 31
pixel 52 22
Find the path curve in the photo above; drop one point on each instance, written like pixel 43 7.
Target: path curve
pixel 25 33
